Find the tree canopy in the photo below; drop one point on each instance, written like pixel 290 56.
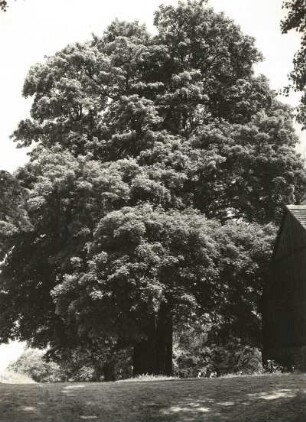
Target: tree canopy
pixel 296 20
pixel 159 165
pixel 13 211
pixel 3 5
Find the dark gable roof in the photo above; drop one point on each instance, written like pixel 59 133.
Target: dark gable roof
pixel 299 212
pixel 287 232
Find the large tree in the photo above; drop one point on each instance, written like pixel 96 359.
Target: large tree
pixel 158 163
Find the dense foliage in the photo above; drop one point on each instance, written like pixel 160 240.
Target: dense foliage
pixel 13 212
pixel 197 355
pixel 159 165
pixel 3 5
pixel 33 364
pixel 296 20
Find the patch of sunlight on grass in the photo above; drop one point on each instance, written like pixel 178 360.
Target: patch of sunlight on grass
pixel 29 409
pixel 146 377
pixel 177 409
pixel 273 395
pixel 226 403
pixel 74 387
pixel 187 408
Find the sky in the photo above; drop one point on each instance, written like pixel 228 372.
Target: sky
pixel 33 29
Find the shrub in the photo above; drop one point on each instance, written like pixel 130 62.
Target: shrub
pixel 196 355
pixel 33 364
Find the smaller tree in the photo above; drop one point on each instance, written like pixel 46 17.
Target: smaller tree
pixel 296 16
pixel 3 5
pixel 296 20
pixel 33 364
pixel 196 354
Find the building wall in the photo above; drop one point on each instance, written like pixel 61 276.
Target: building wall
pixel 284 319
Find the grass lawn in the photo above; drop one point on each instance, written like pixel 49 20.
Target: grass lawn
pixel 277 398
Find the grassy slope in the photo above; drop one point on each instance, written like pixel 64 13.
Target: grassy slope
pixel 253 399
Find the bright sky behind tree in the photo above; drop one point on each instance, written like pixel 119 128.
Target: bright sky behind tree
pixel 32 29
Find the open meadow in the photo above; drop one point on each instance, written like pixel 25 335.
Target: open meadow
pixel 274 398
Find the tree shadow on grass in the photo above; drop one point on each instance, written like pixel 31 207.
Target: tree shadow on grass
pixel 249 399
pixel 39 403
pixel 273 405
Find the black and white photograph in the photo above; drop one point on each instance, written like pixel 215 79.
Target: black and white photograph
pixel 153 210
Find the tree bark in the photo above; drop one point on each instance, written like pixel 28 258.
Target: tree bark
pixel 154 354
pixel 109 371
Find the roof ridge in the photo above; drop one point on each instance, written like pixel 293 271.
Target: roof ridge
pixel 292 206
pixel 298 212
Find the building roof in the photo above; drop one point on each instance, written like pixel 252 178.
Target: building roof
pixel 299 212
pixel 292 232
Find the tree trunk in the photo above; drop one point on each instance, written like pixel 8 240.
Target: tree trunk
pixel 109 371
pixel 105 371
pixel 154 355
